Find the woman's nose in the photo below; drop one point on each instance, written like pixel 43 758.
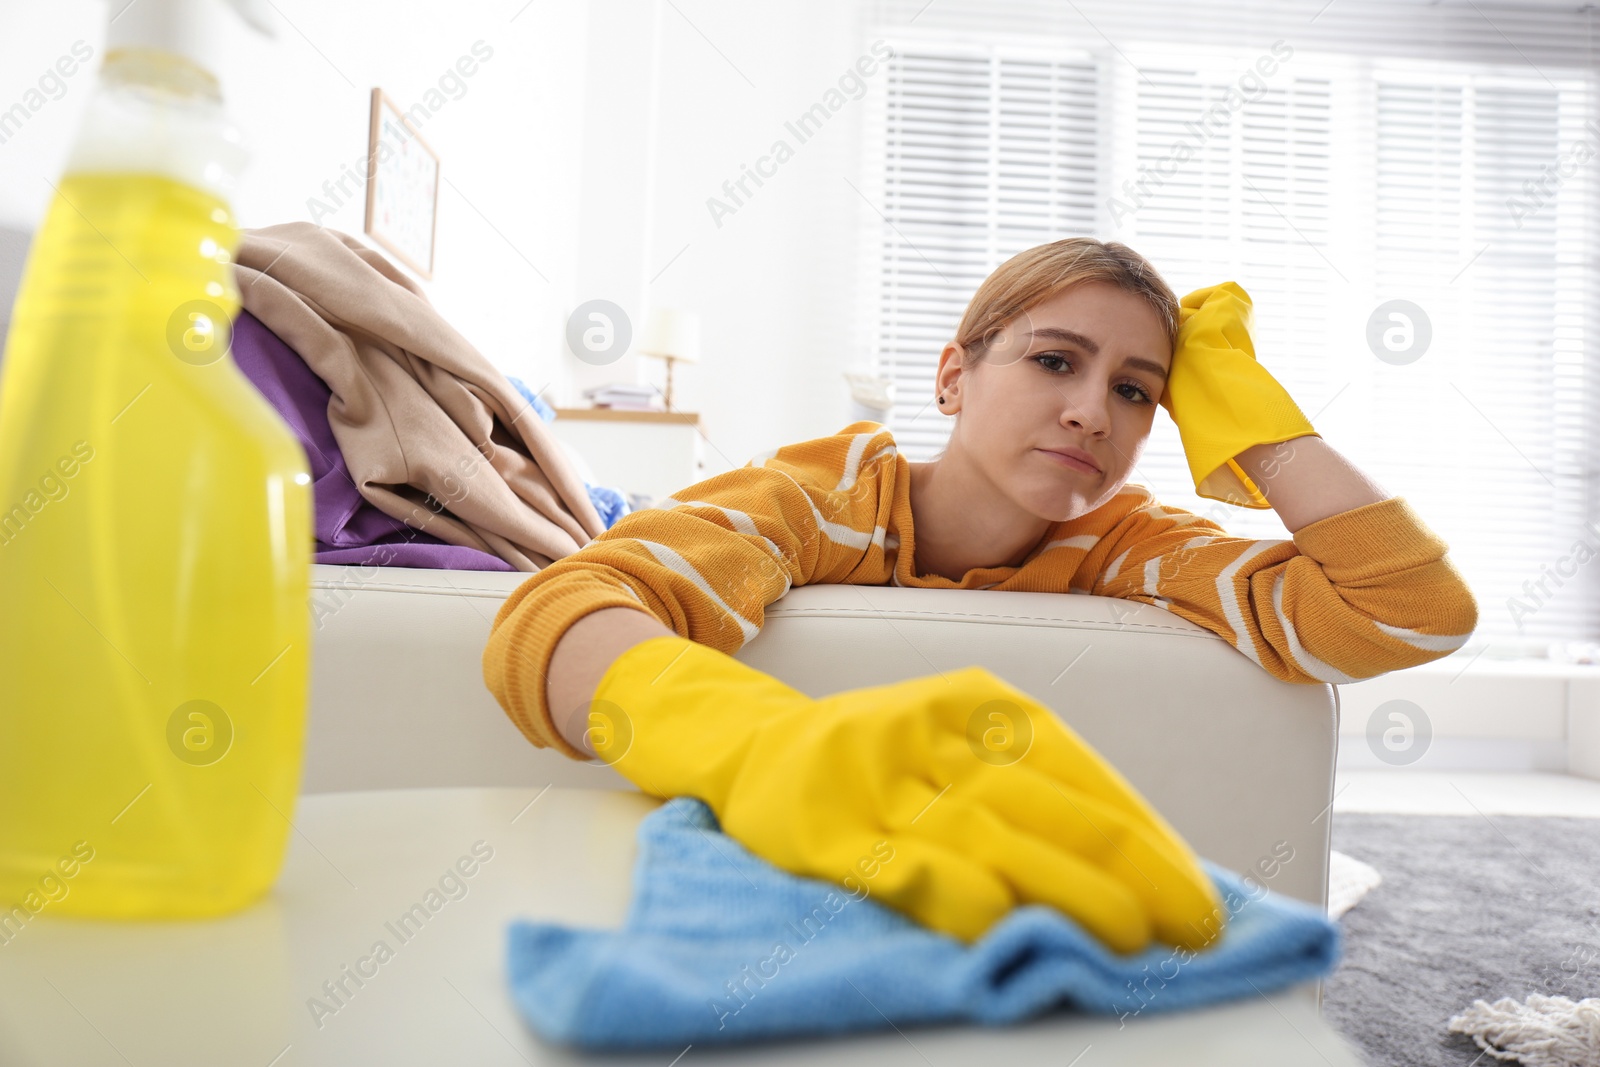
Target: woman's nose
pixel 1086 408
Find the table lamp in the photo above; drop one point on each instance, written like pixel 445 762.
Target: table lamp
pixel 671 334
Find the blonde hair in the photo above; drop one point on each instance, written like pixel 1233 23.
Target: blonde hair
pixel 1030 278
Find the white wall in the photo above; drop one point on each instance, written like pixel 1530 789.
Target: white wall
pixel 577 165
pixel 775 283
pixel 508 137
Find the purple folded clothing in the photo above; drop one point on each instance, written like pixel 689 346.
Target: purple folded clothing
pixel 348 528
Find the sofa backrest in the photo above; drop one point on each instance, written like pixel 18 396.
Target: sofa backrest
pixel 1239 762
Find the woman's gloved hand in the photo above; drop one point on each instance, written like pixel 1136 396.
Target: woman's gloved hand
pixel 1221 398
pixel 952 798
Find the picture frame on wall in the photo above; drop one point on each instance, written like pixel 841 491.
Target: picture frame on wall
pixel 402 187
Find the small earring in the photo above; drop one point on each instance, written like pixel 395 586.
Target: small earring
pixel 941 400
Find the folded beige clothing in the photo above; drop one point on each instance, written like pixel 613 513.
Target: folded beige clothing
pixel 432 433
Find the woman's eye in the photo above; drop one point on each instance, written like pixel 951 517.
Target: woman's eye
pixel 1048 359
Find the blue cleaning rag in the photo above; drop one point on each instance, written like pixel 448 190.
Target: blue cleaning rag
pixel 609 503
pixel 720 946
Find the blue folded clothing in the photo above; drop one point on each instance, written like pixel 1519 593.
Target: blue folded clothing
pixel 609 503
pixel 720 946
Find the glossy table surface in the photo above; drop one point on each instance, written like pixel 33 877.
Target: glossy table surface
pixel 247 990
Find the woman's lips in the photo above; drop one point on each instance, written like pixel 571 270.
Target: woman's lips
pixel 1070 461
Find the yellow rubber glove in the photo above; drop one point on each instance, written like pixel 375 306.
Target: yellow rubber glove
pixel 953 798
pixel 1221 398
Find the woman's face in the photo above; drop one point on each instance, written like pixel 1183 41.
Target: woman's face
pixel 1083 370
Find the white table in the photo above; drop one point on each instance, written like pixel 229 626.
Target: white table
pixel 235 991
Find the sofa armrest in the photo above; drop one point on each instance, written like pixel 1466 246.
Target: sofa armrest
pixel 1240 762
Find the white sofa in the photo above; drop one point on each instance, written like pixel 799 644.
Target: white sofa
pixel 1241 763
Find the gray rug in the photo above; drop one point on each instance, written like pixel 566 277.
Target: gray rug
pixel 1470 906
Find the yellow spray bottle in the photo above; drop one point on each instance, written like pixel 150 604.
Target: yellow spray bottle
pixel 155 521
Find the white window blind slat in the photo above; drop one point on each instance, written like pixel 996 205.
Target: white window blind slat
pixel 1520 32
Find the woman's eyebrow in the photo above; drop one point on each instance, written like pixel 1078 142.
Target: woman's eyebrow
pixel 1059 333
pixel 1146 364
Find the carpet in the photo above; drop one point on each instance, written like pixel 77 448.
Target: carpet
pixel 1469 907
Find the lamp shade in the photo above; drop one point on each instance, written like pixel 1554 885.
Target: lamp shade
pixel 672 333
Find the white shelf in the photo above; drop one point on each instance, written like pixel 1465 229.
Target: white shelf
pixel 652 452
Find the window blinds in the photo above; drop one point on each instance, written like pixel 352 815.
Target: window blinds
pixel 982 155
pixel 1414 154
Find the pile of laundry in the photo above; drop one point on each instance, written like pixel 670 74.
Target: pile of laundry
pixel 422 453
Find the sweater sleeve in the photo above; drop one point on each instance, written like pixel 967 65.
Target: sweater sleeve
pixel 1352 596
pixel 705 562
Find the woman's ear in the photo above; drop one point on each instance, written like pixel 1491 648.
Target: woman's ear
pixel 947 380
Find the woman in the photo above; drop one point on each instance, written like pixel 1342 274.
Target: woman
pixel 1052 379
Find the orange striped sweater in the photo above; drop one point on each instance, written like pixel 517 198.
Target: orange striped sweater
pixel 1349 597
